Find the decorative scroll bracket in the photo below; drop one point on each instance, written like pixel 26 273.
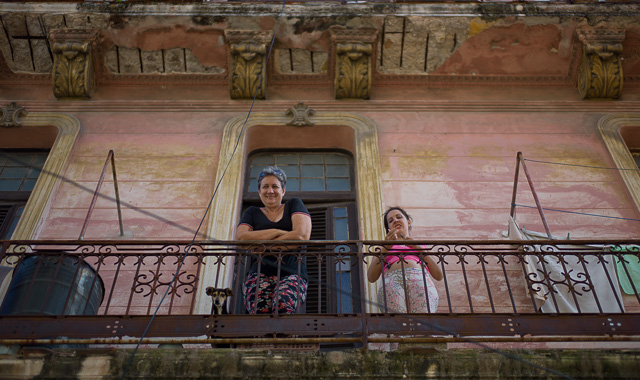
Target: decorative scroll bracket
pixel 247 63
pixel 353 55
pixel 73 72
pixel 300 114
pixel 9 115
pixel 600 72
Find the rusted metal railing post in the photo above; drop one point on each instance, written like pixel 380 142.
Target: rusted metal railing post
pixel 363 296
pixel 110 157
pixel 535 196
pixel 117 192
pixel 515 186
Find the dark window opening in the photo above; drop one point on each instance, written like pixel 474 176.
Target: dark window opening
pixel 19 171
pixel 324 180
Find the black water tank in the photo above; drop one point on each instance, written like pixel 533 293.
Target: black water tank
pixel 55 276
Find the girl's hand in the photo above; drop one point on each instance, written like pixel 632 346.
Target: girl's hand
pixel 394 234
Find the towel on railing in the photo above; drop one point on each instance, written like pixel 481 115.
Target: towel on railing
pixel 572 291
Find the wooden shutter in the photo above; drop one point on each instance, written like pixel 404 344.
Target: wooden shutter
pixel 317 290
pixel 6 216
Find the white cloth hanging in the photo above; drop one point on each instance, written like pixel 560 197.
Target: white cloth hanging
pixel 572 291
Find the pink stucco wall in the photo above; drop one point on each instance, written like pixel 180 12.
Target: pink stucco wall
pixel 455 172
pixel 450 163
pixel 165 164
pixel 453 169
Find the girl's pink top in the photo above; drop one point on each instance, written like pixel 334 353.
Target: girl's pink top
pixel 403 249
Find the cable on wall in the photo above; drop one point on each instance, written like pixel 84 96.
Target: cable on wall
pixel 215 191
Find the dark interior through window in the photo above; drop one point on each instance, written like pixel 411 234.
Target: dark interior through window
pixel 19 171
pixel 324 180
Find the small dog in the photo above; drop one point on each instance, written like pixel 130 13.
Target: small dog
pixel 219 299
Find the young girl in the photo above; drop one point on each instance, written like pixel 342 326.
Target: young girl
pixel 401 257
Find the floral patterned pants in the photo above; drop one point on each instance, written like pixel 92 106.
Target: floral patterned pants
pixel 291 292
pixel 419 300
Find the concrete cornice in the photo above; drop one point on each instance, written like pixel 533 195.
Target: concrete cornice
pixel 329 9
pixel 360 106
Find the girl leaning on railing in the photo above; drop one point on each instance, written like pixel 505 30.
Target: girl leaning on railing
pixel 401 267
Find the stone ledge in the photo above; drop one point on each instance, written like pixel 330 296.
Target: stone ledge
pixel 408 362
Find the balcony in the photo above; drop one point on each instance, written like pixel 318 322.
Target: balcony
pixel 127 292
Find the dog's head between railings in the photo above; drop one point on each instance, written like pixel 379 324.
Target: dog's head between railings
pixel 219 298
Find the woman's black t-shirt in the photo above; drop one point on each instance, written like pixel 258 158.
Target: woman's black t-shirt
pixel 257 220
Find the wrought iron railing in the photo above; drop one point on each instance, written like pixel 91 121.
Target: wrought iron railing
pixel 114 291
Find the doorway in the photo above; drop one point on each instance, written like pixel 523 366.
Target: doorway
pixel 325 181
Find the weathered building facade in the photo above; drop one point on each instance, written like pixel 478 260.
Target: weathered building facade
pixel 423 105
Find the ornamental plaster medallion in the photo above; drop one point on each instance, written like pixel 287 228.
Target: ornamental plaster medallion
pixel 300 114
pixel 9 115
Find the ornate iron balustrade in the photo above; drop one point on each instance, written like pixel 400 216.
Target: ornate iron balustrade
pixel 500 290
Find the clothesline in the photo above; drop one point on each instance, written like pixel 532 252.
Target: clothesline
pixel 581 166
pixel 579 213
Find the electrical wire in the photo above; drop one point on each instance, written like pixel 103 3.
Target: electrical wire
pixel 215 191
pixel 427 323
pixel 424 322
pixel 326 284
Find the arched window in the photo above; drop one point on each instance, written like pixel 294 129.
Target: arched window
pixel 328 131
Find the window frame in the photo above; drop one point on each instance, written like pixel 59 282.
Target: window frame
pixel 68 127
pixel 609 128
pixel 15 199
pixel 225 208
pixel 20 195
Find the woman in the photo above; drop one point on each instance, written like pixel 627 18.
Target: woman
pixel 275 221
pixel 397 224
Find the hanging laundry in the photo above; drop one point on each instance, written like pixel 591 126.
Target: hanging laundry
pixel 629 271
pixel 559 282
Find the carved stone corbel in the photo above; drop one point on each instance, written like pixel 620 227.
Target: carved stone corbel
pixel 247 63
pixel 353 55
pixel 9 115
pixel 73 72
pixel 600 72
